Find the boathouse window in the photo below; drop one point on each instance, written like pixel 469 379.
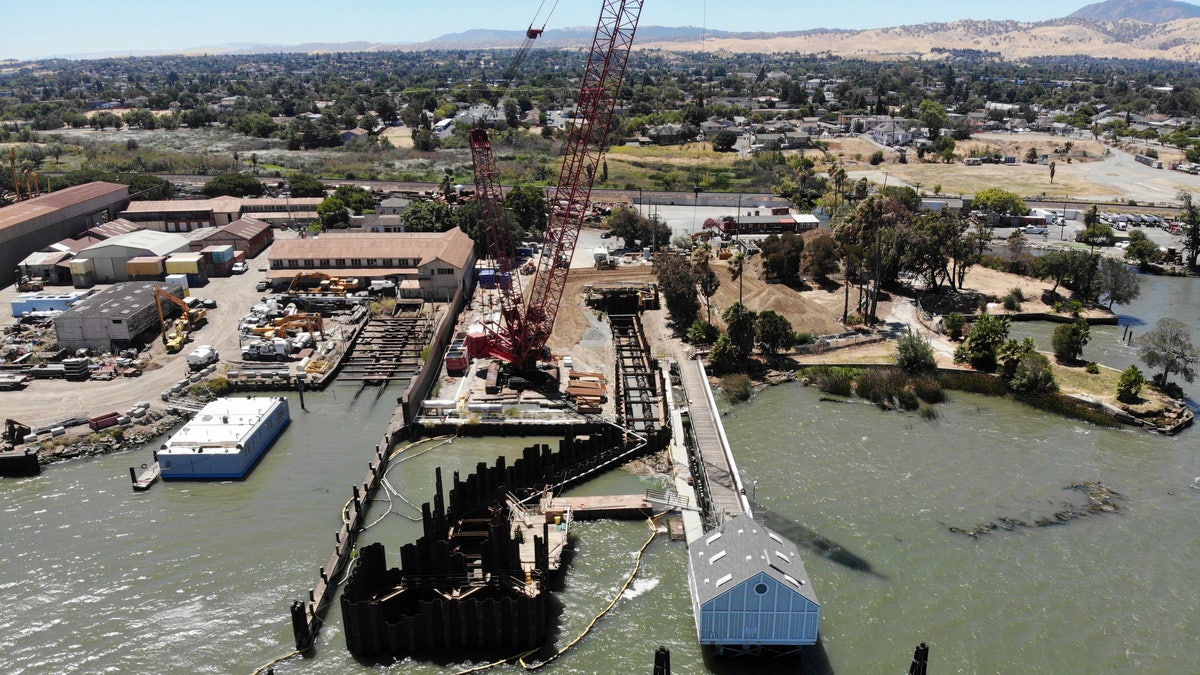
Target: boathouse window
pixel 760 589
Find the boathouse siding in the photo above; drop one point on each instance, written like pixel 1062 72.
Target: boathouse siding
pixel 750 589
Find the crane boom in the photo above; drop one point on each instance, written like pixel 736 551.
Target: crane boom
pixel 585 143
pixel 499 243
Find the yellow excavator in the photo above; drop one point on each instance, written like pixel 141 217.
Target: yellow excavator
pixel 176 335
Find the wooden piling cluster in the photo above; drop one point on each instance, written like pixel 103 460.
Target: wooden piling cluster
pixel 307 615
pixel 463 585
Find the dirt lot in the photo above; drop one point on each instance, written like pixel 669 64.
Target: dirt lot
pixel 45 400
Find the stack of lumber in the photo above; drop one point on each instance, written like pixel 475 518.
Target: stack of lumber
pixel 588 390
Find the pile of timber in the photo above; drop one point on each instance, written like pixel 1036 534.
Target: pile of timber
pixel 588 390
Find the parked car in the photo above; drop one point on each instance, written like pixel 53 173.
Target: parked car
pixel 605 235
pixel 1036 229
pixel 239 268
pixel 262 285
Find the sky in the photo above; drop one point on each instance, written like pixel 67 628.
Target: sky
pixel 50 28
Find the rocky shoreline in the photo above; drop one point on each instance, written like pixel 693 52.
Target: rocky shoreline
pixel 108 441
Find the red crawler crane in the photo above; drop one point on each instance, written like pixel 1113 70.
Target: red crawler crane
pixel 523 335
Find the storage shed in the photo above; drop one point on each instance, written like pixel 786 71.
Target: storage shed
pixel 750 589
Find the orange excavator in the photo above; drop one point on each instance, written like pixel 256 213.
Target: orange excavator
pixel 176 335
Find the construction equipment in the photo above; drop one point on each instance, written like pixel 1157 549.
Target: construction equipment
pixel 523 332
pixel 26 283
pixel 306 323
pixel 14 432
pixel 176 335
pixel 12 161
pixel 274 349
pixel 325 283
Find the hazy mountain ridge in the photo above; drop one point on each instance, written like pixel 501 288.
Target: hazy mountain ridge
pixel 1145 11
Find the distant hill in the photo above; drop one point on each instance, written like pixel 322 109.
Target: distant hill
pixel 1146 11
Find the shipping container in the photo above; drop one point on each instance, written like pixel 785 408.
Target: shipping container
pixel 219 254
pixel 145 267
pixel 181 279
pixel 83 273
pixel 103 421
pixel 185 263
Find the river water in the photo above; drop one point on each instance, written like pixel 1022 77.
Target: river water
pixel 197 577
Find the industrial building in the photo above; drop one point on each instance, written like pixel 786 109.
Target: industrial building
pixel 185 215
pixel 118 317
pixel 248 236
pixel 34 224
pixel 428 265
pixel 750 589
pixel 108 258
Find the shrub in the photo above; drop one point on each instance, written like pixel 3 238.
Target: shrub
pixel 1070 339
pixel 1130 384
pixel 1033 374
pixel 737 387
pixel 953 324
pixel 914 354
pixel 1092 368
pixel 805 339
pixel 1012 303
pixel 836 381
pixel 702 332
pixel 884 386
pixel 876 158
pixel 929 390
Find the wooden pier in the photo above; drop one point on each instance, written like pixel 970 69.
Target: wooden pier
pixel 605 506
pixel 721 492
pixel 388 349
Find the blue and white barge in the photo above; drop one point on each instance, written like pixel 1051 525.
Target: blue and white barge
pixel 225 439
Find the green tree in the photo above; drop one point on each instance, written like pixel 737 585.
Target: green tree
pixel 1129 386
pixel 1069 340
pixel 978 350
pixel 428 216
pixel 258 125
pixel 1034 375
pixel 147 187
pixel 933 116
pixel 527 204
pixel 1169 346
pixel 724 355
pixel 820 258
pixel 1116 282
pixel 677 282
pixel 1189 231
pixel 1142 250
pixel 304 185
pixel 999 202
pixel 774 333
pixel 914 354
pixel 782 256
pixel 740 325
pixel 724 141
pixel 233 185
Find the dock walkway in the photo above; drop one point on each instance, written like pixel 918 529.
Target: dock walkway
pixel 717 472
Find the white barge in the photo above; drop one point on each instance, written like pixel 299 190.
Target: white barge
pixel 225 439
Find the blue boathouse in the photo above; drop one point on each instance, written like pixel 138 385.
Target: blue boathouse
pixel 750 589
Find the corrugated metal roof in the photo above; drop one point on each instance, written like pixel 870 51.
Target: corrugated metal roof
pixel 45 204
pixel 158 243
pixel 246 228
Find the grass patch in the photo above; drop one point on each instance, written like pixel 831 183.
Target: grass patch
pixel 973 382
pixel 1077 379
pixel 832 380
pixel 737 387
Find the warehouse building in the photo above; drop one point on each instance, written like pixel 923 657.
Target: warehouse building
pixel 119 317
pixel 428 265
pixel 186 215
pixel 248 236
pixel 108 258
pixel 35 224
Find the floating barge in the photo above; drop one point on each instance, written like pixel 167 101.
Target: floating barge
pixel 225 439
